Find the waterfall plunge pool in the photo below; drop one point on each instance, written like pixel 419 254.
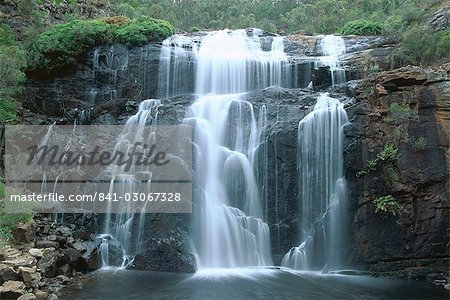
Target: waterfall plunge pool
pixel 113 283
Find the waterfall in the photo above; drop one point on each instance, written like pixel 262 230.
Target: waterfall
pixel 230 213
pixel 118 246
pixel 321 186
pixel 177 58
pixel 332 47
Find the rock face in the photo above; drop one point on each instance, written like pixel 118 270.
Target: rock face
pixel 59 254
pixel 109 83
pixel 417 240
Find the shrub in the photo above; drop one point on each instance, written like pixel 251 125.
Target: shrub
pixel 387 157
pixel 419 143
pixel 8 109
pixel 394 27
pixel 8 222
pixel 361 27
pixel 12 61
pixel 61 45
pixel 421 45
pixel 126 10
pixel 401 113
pixel 195 29
pixel 387 205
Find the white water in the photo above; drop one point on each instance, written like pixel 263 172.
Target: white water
pixel 177 58
pixel 229 222
pixel 117 246
pixel 332 47
pixel 230 205
pixel 321 184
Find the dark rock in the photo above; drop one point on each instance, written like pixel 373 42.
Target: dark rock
pixel 93 260
pixel 72 255
pixel 50 263
pixel 12 290
pixel 30 276
pixel 166 256
pixel 8 274
pixel 440 20
pixel 46 244
pixel 415 243
pixel 82 235
pixel 24 233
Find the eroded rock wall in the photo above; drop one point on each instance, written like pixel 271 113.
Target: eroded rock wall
pixel 416 241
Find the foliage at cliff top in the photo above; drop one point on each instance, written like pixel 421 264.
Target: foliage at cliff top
pixel 362 27
pixel 61 45
pixel 12 61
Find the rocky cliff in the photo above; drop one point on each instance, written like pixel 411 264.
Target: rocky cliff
pixel 409 109
pixel 109 82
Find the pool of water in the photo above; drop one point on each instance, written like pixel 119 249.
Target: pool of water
pixel 246 284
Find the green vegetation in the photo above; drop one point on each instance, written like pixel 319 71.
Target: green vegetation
pixel 61 45
pixel 361 27
pixel 8 222
pixel 419 143
pixel 319 16
pixel 387 156
pixel 12 62
pixel 387 205
pixel 421 45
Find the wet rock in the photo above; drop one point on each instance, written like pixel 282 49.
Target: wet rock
pixel 82 235
pixel 12 289
pixel 93 260
pixel 63 278
pixel 50 263
pixel 41 295
pixel 52 297
pixel 414 243
pixel 72 255
pixel 166 255
pixel 28 296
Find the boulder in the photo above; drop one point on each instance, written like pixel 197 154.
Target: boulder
pixel 27 296
pixel 50 263
pixel 24 233
pixel 30 276
pixel 35 252
pixel 52 297
pixel 12 290
pixel 41 295
pixel 7 274
pixel 82 235
pixel 46 244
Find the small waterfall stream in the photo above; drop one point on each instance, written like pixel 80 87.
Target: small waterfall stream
pixel 118 246
pixel 332 46
pixel 321 185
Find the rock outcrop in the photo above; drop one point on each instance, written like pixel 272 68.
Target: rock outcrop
pixel 51 257
pixel 409 109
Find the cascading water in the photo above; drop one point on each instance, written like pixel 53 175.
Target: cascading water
pixel 177 58
pixel 321 185
pixel 117 245
pixel 229 226
pixel 332 47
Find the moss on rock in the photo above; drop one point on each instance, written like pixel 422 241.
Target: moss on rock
pixel 62 44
